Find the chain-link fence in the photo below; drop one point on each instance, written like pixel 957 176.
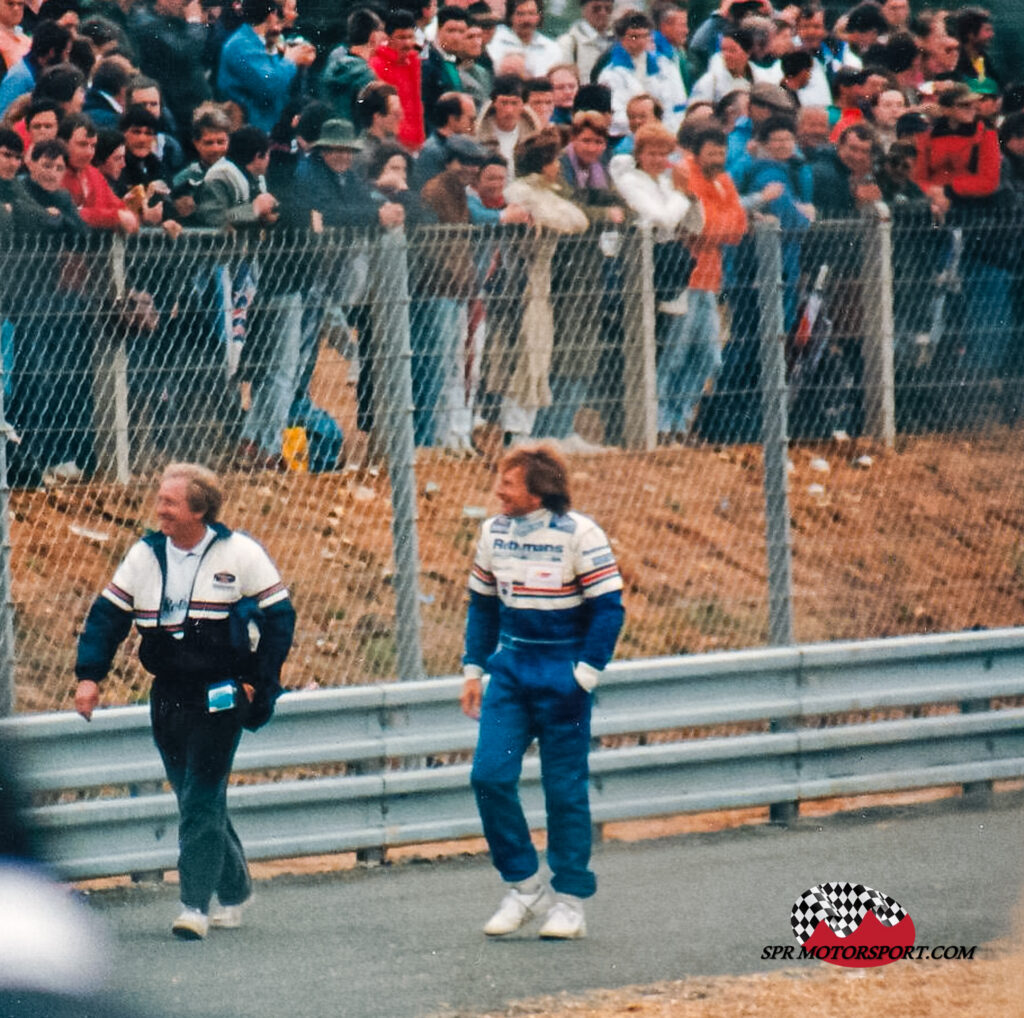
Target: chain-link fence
pixel 838 460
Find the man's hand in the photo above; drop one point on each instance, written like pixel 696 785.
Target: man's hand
pixel 776 189
pixel 615 214
pixel 264 206
pixel 471 698
pixel 302 54
pixel 250 691
pixel 865 194
pixel 87 696
pixel 391 215
pixel 127 221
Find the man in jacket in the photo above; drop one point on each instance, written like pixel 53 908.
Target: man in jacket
pixel 589 38
pixel 181 586
pixel 258 80
pixel 348 70
pixel 688 365
pixel 545 610
pixel 633 69
pixel 168 47
pixel 398 63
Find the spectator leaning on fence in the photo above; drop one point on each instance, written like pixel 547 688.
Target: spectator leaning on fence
pixel 196 590
pixel 543 624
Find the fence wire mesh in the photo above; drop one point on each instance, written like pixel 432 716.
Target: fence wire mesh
pixel 355 390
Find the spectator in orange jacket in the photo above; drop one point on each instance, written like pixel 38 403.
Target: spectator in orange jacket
pixel 692 358
pixel 398 63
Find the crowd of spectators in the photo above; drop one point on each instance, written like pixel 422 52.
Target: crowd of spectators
pixel 166 116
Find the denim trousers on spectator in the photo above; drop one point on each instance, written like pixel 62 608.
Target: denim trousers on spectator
pixel 987 316
pixel 197 749
pixel 558 420
pixel 534 695
pixel 434 327
pixel 690 357
pixel 276 332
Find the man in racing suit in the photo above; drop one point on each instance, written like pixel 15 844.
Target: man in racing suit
pixel 545 611
pixel 201 596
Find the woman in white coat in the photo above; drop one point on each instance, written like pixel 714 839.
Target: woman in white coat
pixel 645 182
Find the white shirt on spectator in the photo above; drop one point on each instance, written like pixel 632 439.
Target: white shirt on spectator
pixel 541 54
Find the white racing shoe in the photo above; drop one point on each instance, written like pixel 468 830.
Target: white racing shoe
pixel 518 907
pixel 565 920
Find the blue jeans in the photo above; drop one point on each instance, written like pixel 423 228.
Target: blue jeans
pixel 690 357
pixel 434 328
pixel 532 695
pixel 559 419
pixel 276 333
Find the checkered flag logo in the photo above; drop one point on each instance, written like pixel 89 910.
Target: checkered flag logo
pixel 843 907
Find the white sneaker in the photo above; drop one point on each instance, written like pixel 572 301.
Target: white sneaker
pixel 191 924
pixel 517 908
pixel 227 917
pixel 565 920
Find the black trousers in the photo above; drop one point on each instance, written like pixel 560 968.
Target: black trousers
pixel 198 749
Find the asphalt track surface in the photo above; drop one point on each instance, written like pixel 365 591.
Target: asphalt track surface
pixel 405 941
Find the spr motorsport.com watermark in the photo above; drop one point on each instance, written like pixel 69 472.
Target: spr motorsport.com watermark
pixel 855 926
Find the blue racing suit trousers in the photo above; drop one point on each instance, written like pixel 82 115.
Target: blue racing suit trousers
pixel 197 749
pixel 532 695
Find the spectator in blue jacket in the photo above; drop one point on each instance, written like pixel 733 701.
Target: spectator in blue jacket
pixel 259 80
pixel 51 44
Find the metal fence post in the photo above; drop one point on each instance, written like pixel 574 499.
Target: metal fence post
pixel 775 440
pixel 7 691
pixel 879 384
pixel 774 435
pixel 391 329
pixel 639 349
pixel 110 379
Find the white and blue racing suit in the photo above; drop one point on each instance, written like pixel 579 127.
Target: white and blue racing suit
pixel 544 615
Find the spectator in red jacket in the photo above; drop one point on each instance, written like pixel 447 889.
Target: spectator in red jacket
pixel 960 155
pixel 398 64
pixel 97 204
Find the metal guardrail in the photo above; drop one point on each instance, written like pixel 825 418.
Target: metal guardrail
pixel 396 791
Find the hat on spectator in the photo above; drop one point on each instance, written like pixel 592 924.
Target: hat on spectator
pixel 467 151
pixel 764 93
pixel 338 134
pixel 982 86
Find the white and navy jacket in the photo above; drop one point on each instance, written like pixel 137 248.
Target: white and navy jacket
pixel 201 649
pixel 544 581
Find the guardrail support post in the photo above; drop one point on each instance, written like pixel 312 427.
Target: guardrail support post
pixel 391 330
pixel 978 792
pixel 640 430
pixel 775 439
